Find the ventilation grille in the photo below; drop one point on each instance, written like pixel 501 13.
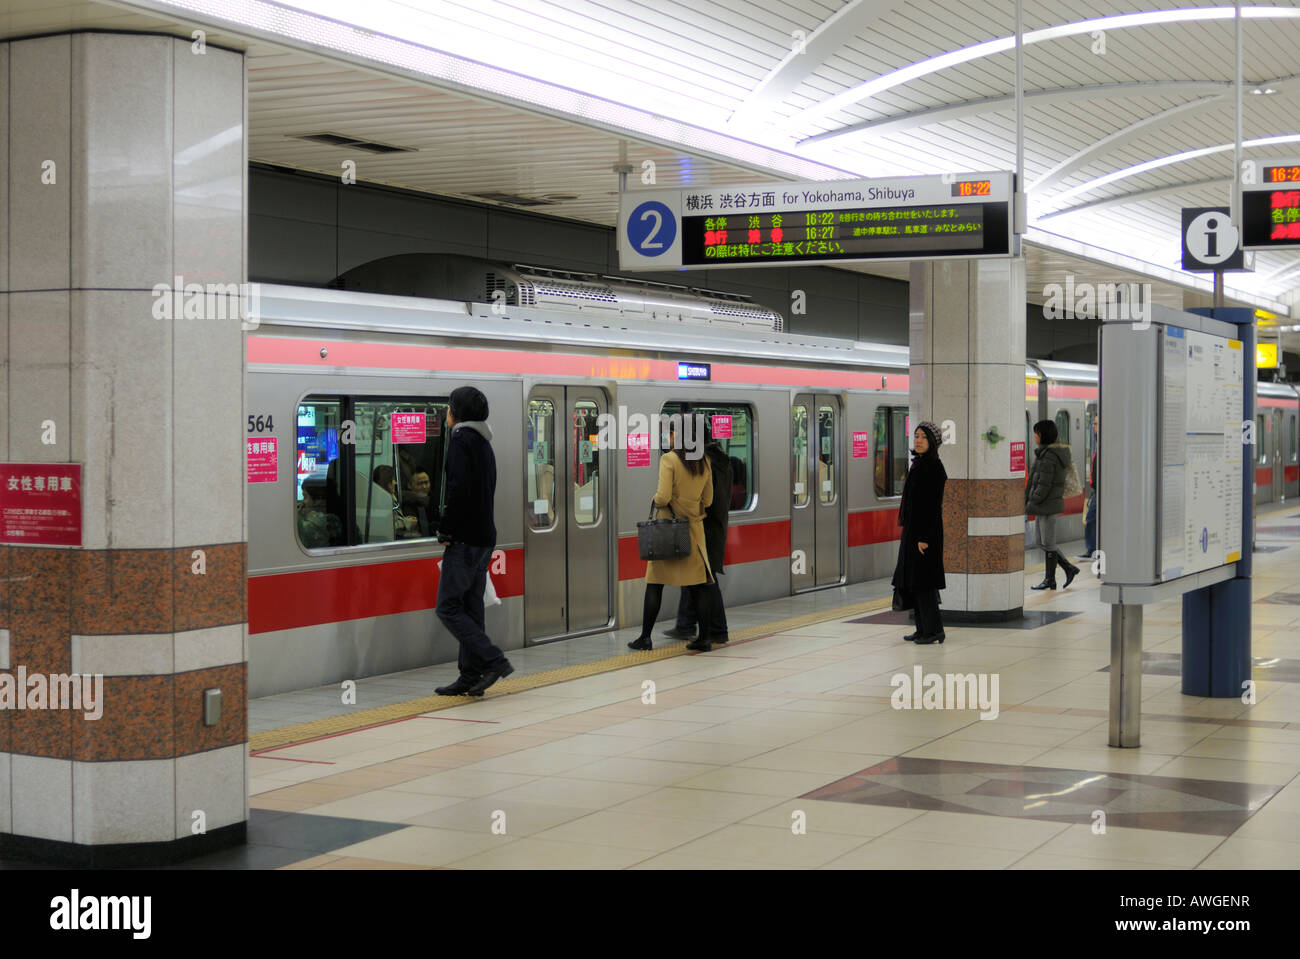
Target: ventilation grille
pixel 353 143
pixel 514 199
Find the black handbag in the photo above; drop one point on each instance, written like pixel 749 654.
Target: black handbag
pixel 902 599
pixel 662 539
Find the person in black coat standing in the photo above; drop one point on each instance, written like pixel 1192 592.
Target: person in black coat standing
pixel 716 518
pixel 918 577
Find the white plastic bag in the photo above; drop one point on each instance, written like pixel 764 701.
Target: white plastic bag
pixel 490 597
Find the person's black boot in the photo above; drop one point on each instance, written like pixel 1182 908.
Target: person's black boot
pixel 1071 570
pixel 1049 578
pixel 641 642
pixel 499 670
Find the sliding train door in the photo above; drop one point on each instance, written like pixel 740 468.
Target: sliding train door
pixel 817 517
pixel 567 514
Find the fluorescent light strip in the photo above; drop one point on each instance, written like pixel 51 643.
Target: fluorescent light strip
pixel 375 51
pixel 1164 161
pixel 1124 21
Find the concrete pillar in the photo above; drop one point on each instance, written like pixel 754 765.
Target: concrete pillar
pixel 123 166
pixel 967 337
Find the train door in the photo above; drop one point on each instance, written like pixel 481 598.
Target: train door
pixel 1279 463
pixel 816 498
pixel 567 507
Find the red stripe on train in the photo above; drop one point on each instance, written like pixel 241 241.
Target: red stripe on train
pixel 317 596
pixel 750 543
pixel 1264 476
pixel 1291 474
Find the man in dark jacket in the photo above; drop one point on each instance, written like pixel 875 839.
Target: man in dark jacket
pixel 468 534
pixel 715 543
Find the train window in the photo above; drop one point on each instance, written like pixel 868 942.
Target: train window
pixel 1291 450
pixel 799 446
pixel 1261 454
pixel 732 428
pixel 366 472
pixel 889 442
pixel 826 454
pixel 1063 426
pixel 586 466
pixel 541 463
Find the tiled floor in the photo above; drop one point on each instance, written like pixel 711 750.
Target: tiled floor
pixel 786 752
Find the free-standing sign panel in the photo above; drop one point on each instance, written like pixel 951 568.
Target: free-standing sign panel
pixel 903 218
pixel 40 504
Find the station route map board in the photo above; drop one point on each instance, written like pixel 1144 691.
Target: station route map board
pixel 1202 453
pixel 903 218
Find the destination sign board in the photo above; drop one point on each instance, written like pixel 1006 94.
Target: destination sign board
pixel 1270 208
pixel 904 218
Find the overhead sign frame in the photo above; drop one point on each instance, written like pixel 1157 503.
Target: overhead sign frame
pixel 826 222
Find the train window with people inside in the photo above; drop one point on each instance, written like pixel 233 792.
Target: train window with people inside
pixel 731 426
pixel 369 469
pixel 1089 416
pixel 540 469
pixel 826 454
pixel 889 441
pixel 1063 426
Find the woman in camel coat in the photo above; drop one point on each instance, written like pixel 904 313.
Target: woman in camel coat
pixel 685 488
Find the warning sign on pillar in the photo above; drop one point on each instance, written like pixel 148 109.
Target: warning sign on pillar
pixel 861 445
pixel 1017 457
pixel 40 504
pixel 263 462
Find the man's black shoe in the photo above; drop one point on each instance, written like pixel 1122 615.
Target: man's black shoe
pixel 500 671
pixel 720 640
pixel 460 687
pixel 676 633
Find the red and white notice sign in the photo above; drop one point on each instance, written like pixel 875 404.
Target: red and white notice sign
pixel 638 449
pixel 408 427
pixel 40 504
pixel 861 444
pixel 1017 457
pixel 263 462
pixel 721 427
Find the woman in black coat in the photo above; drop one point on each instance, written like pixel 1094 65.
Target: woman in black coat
pixel 918 576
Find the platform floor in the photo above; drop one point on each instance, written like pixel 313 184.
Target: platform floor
pixel 783 750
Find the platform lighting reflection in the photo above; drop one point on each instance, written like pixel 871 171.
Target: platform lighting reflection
pixel 1043 797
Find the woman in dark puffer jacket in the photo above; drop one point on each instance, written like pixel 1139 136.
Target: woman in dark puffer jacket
pixel 1045 499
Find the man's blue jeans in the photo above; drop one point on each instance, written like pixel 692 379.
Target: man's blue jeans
pixel 1090 527
pixel 460 606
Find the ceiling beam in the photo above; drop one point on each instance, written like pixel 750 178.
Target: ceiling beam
pixel 985 105
pixel 1133 196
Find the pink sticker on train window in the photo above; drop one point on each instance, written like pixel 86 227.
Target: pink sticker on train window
pixel 408 427
pixel 1017 457
pixel 861 445
pixel 638 449
pixel 721 427
pixel 263 463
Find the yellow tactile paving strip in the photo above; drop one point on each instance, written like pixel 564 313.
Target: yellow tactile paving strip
pixel 334 725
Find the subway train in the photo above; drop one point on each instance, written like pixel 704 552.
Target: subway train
pixel 346 398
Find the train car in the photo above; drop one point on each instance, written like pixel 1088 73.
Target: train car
pixel 1277 469
pixel 347 392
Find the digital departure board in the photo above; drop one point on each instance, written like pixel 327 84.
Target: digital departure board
pixel 1270 208
pixel 907 218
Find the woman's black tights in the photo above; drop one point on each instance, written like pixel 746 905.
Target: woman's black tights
pixel 654 597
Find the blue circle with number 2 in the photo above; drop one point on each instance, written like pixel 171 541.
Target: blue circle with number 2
pixel 652 228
